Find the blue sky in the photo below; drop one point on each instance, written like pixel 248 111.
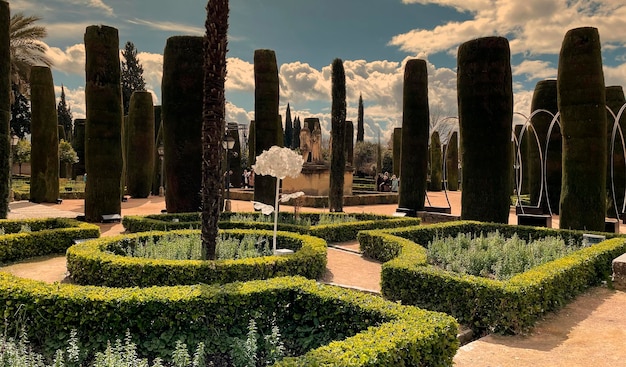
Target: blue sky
pixel 373 37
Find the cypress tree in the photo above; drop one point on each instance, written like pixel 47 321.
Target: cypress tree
pixel 5 108
pixel 415 134
pixel 436 162
pixel 544 98
pixel 64 115
pixel 280 137
pixel 288 128
pixel 265 113
pixel 140 148
pixel 296 133
pixel 181 111
pixel 485 99
pixel 213 121
pixel 349 144
pixel 338 121
pixel 582 104
pixel 617 179
pixel 452 162
pixel 397 148
pixel 360 129
pixel 132 74
pixel 78 143
pixel 103 130
pixel 44 181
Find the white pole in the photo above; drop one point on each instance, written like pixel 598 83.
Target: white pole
pixel 276 214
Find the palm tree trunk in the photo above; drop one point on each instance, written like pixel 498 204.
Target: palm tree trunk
pixel 214 104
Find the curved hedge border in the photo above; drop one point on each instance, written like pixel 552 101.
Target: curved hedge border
pixel 367 330
pixel 483 304
pixel 47 236
pixel 339 232
pixel 95 263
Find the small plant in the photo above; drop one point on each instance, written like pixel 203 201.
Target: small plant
pixel 188 247
pixel 249 353
pixel 25 228
pixel 494 255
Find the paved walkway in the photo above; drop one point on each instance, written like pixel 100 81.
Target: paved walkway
pixel 590 331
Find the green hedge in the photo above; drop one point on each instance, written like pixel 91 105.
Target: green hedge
pixel 47 236
pixel 96 262
pixel 484 304
pixel 321 325
pixel 339 232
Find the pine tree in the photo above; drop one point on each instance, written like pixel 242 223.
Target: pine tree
pixel 132 74
pixel 20 114
pixel 64 115
pixel 288 128
pixel 360 130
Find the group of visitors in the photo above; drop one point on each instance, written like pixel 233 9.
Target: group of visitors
pixel 386 184
pixel 247 177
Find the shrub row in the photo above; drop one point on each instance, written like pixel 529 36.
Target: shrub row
pixel 338 232
pixel 65 195
pixel 483 304
pixel 96 263
pixel 47 236
pixel 321 325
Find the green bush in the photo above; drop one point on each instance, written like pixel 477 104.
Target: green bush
pixel 101 262
pixel 337 231
pixel 483 304
pixel 47 236
pixel 321 325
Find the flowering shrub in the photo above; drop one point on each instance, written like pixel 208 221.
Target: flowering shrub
pixel 278 162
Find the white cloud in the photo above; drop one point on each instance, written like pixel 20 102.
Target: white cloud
pixel 534 26
pixel 535 69
pixel 96 4
pixel 239 75
pixel 70 61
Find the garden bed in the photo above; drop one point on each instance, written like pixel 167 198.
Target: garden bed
pixel 321 325
pixel 336 228
pixel 26 238
pixel 100 262
pixel 486 305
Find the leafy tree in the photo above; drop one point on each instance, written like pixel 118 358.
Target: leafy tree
pixel 132 74
pixel 64 114
pixel 288 128
pixel 21 153
pixel 360 129
pixel 20 114
pixel 26 49
pixel 365 157
pixel 214 104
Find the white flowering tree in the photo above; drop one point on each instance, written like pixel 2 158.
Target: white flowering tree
pixel 277 162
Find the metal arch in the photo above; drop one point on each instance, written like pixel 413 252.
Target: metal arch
pixel 617 128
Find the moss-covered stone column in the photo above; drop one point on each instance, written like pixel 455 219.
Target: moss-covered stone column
pixel 415 135
pixel 103 131
pixel 181 110
pixel 485 98
pixel 544 98
pixel 5 108
pixel 44 180
pixel 582 104
pixel 140 148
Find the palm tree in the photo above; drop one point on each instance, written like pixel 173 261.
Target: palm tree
pixel 215 47
pixel 26 47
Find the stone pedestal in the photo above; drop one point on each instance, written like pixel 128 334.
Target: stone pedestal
pixel 314 180
pixel 619 272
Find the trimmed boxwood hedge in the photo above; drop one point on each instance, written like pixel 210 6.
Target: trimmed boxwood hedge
pixel 47 236
pixel 96 262
pixel 483 304
pixel 321 325
pixel 338 232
